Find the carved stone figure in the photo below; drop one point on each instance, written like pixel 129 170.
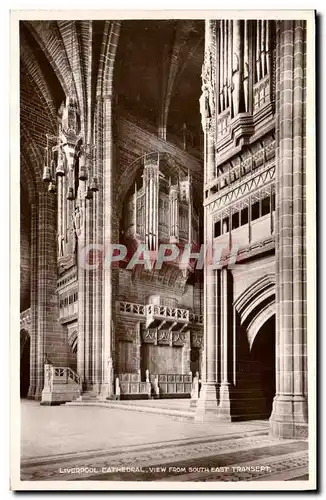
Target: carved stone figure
pixel 147 376
pixel 117 388
pixel 110 371
pixel 156 387
pixel 60 245
pixel 71 247
pixel 77 220
pixel 48 379
pixel 195 387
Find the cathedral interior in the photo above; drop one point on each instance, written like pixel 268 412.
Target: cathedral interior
pixel 145 133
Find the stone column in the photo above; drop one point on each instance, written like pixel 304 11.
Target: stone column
pixel 51 339
pixel 33 331
pixel 98 255
pixel 290 413
pixel 224 408
pixel 207 406
pixel 107 328
pixel 82 339
pixel 42 289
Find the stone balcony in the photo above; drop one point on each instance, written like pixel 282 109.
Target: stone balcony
pixel 159 316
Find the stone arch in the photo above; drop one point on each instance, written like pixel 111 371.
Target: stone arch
pixel 73 341
pixel 254 314
pixel 33 157
pixel 106 68
pixel 256 305
pixel 258 321
pixel 52 47
pixel 129 173
pixel 55 44
pixel 263 365
pixel 34 71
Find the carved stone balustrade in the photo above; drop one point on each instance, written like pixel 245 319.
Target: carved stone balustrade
pixel 159 316
pixel 154 312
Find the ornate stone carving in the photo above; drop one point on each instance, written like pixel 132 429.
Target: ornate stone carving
pixel 150 336
pixel 48 376
pixel 179 338
pixel 78 221
pixel 207 99
pixel 71 120
pixel 61 241
pixel 164 337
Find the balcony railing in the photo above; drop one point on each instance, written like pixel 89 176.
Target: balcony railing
pixel 64 375
pixel 197 318
pixel 165 312
pixel 175 314
pixel 131 308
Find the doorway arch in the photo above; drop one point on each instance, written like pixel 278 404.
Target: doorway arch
pixel 254 316
pixel 262 358
pixel 25 349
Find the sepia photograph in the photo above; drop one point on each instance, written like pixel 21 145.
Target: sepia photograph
pixel 164 259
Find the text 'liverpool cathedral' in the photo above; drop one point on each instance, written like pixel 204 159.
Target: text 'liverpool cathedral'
pixel 163 231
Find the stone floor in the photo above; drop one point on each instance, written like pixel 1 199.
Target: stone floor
pixel 109 443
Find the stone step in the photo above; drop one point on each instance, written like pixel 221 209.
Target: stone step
pixel 87 396
pixel 184 413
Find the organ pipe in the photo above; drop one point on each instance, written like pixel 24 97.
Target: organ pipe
pixel 258 52
pixel 218 85
pixel 246 65
pixel 262 53
pixel 225 63
pixel 268 55
pixel 230 62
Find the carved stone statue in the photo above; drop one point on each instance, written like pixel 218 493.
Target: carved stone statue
pixel 48 379
pixel 78 220
pixel 60 245
pixel 117 388
pixel 110 371
pixel 195 387
pixel 71 247
pixel 156 387
pixel 147 376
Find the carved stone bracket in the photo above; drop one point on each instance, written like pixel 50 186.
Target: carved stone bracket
pixel 164 337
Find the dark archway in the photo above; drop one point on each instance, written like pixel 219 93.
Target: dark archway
pixel 262 358
pixel 252 397
pixel 194 360
pixel 25 345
